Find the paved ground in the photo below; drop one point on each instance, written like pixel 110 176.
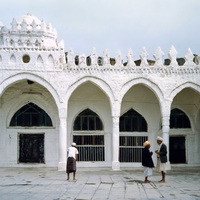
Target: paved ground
pixel 100 184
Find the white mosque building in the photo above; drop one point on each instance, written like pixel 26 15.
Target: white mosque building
pixel 49 100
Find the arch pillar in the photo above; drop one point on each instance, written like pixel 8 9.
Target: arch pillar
pixel 62 146
pixel 166 110
pixel 115 135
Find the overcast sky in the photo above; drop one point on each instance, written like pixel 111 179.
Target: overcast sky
pixel 116 25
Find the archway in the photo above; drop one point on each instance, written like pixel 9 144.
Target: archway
pixel 184 132
pixel 144 120
pixel 89 119
pixel 22 94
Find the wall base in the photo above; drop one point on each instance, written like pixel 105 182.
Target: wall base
pixel 115 165
pixel 61 166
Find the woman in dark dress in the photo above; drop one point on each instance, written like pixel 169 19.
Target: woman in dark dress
pixel 147 161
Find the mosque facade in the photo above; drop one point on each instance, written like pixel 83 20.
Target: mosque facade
pixel 49 99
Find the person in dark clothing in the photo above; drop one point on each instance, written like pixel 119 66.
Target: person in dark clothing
pixel 161 158
pixel 147 161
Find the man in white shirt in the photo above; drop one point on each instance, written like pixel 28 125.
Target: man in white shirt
pixel 72 153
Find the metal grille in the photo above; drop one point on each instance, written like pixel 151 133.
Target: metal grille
pixel 91 153
pixel 90 147
pixel 130 149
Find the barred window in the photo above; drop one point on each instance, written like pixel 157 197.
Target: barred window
pixel 31 115
pixel 130 148
pixel 90 147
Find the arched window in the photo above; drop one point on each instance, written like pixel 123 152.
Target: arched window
pixel 132 121
pixel 87 120
pixel 31 115
pixel 130 146
pixel 90 145
pixel 178 119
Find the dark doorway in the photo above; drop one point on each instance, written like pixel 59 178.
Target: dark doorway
pixel 31 148
pixel 177 150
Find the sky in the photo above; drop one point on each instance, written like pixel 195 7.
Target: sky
pixel 116 25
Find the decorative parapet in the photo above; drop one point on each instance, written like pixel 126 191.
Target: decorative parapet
pixel 130 61
pixel 158 57
pixel 172 55
pixel 143 57
pixel 34 59
pixel 30 44
pixel 29 31
pixel 190 66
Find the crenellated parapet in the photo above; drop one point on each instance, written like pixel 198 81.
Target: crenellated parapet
pixel 189 64
pixel 30 44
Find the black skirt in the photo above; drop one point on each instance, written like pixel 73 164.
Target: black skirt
pixel 71 165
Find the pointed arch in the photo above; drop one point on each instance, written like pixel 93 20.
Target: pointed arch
pixel 104 87
pixel 50 59
pixel 178 119
pixel 39 59
pixel 29 76
pixel 132 121
pixel 179 88
pixel 31 115
pixel 87 120
pixel 28 43
pixel 19 42
pixel 149 84
pixel 37 43
pixel 13 58
pixel 100 83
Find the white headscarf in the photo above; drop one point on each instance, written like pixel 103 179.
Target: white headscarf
pixel 159 138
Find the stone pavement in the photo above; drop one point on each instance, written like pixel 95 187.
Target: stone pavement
pixel 99 183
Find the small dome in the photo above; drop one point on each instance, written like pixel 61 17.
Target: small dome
pixel 29 19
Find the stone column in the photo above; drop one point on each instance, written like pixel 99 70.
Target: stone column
pixel 166 110
pixel 115 135
pixel 62 139
pixel 115 143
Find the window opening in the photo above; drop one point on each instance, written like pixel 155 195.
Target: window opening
pixel 177 150
pixel 31 115
pixel 90 144
pixel 88 121
pixel 132 121
pixel 130 148
pixel 178 119
pixel 90 147
pixel 26 58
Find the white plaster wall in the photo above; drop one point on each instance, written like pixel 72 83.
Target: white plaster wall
pixel 12 100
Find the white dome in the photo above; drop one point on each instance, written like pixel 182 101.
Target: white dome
pixel 29 19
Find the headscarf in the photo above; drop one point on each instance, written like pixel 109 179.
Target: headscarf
pixel 146 143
